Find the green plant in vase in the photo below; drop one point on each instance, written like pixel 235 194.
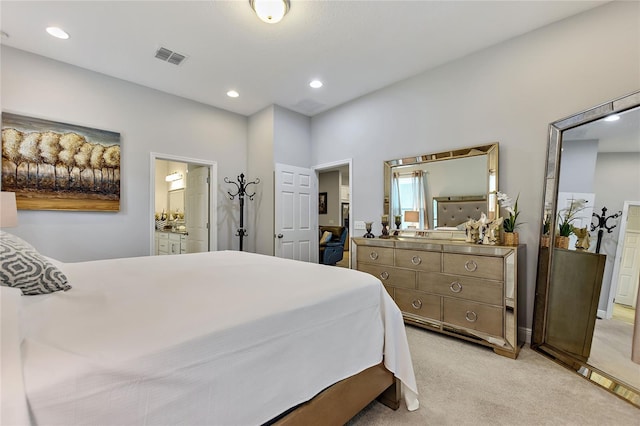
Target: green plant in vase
pixel 566 216
pixel 509 223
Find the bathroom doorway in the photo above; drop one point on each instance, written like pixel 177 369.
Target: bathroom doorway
pixel 182 205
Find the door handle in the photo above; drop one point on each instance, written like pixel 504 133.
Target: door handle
pixel 280 235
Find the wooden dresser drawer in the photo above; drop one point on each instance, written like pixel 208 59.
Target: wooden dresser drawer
pixel 484 318
pixel 418 260
pixel 473 266
pixel 390 276
pixel 418 303
pixel 476 289
pixel 379 255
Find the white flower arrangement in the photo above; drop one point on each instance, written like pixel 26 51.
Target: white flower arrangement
pixel 509 224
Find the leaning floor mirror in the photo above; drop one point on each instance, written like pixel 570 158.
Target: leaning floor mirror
pixel 585 313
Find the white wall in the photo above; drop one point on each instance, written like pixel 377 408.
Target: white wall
pixel 260 165
pixel 617 181
pixel 329 182
pixel 508 93
pixel 147 120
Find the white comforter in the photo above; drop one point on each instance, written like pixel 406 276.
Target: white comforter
pixel 222 338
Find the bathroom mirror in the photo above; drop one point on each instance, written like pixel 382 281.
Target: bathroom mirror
pixel 592 156
pixel 415 185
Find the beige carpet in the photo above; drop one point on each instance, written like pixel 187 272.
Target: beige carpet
pixel 611 350
pixel 462 383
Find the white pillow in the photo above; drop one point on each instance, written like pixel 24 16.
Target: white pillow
pixel 21 266
pixel 326 237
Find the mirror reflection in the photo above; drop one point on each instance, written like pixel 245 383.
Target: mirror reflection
pixel 416 187
pixel 588 279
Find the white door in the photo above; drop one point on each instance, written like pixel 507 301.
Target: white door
pixel 197 209
pixel 627 293
pixel 296 213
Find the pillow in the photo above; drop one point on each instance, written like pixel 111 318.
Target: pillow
pixel 21 266
pixel 326 237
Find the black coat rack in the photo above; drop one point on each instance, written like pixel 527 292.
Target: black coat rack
pixel 241 187
pixel 602 224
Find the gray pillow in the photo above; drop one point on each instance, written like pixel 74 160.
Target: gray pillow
pixel 21 266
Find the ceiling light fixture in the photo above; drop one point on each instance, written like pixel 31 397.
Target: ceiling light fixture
pixel 270 11
pixel 58 32
pixel 233 94
pixel 613 117
pixel 173 177
pixel 316 84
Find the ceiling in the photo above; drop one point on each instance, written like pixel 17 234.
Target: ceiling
pixel 354 47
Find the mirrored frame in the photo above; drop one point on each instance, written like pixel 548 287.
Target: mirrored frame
pixel 490 150
pixel 545 253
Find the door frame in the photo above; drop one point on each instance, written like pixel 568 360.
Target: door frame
pixel 333 165
pixel 213 184
pixel 613 288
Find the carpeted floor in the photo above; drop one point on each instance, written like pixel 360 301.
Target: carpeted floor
pixel 462 383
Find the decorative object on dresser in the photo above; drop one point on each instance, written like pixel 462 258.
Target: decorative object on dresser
pixel 468 291
pixel 385 223
pixel 511 237
pixel 369 234
pixel 241 191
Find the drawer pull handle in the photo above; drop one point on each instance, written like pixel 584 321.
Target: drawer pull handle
pixel 384 275
pixel 416 260
pixel 471 316
pixel 373 255
pixel 470 265
pixel 455 287
pixel 417 304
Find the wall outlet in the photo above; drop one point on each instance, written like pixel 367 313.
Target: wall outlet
pixel 359 224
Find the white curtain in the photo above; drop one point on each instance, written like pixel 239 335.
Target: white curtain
pixel 413 200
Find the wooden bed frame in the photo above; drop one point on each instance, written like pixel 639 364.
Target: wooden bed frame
pixel 337 404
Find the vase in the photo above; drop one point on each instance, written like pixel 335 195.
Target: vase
pixel 511 239
pixel 562 242
pixel 544 241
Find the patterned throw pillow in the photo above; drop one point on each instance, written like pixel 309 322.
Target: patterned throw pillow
pixel 21 266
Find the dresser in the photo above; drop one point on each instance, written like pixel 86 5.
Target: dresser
pixel 464 290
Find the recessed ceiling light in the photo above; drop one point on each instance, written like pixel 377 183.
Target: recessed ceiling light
pixel 614 117
pixel 233 94
pixel 57 32
pixel 316 84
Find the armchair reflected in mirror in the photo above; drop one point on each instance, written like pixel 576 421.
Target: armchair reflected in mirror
pixel 587 293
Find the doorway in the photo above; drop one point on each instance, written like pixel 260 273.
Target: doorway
pixel 182 205
pixel 334 179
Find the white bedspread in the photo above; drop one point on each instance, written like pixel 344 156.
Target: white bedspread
pixel 221 338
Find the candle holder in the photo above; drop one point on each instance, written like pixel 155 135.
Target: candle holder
pixel 385 229
pixel 398 222
pixel 369 234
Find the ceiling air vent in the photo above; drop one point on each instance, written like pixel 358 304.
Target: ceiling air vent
pixel 170 56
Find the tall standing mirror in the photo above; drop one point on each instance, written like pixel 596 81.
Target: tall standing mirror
pixel 414 186
pixel 589 259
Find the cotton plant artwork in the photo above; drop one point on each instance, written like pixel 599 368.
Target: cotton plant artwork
pixel 58 166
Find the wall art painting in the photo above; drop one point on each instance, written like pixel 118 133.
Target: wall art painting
pixel 58 166
pixel 322 203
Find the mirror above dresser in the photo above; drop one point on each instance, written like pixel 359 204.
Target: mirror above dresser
pixel 433 194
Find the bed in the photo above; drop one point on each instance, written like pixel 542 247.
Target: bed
pixel 228 338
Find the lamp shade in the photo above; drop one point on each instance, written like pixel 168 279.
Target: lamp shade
pixel 8 210
pixel 411 216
